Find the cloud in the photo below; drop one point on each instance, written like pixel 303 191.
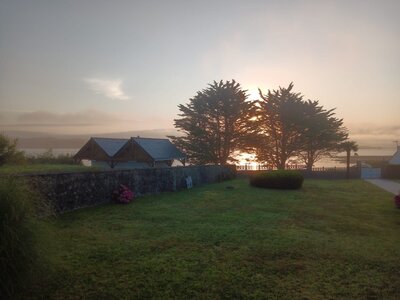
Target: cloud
pixel 369 129
pixel 46 118
pixel 108 88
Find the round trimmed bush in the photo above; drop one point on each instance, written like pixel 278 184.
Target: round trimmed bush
pixel 279 179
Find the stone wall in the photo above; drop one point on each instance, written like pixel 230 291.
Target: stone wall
pixel 69 191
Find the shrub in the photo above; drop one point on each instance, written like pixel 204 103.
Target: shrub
pixel 123 195
pixel 280 179
pixel 8 151
pixel 20 238
pixel 48 157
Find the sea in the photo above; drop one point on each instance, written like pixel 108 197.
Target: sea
pixel 364 154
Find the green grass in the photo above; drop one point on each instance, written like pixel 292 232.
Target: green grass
pixel 39 168
pixel 331 239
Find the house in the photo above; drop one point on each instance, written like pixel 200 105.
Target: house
pixel 136 152
pixel 395 160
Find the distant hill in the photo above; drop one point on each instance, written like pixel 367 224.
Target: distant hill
pixel 43 140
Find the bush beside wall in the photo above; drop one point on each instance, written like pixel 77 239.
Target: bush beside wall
pixel 279 179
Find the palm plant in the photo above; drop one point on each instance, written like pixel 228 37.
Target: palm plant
pixel 348 146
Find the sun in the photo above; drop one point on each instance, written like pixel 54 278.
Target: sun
pixel 253 92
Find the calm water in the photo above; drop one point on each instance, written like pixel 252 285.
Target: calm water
pixel 325 162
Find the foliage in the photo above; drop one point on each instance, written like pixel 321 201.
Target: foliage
pixel 215 123
pixel 21 255
pixel 321 134
pixel 278 179
pixel 290 126
pixel 48 157
pixel 211 242
pixel 280 114
pixel 41 168
pixel 123 195
pixel 348 146
pixel 9 152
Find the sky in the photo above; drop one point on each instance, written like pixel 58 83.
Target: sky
pixel 104 66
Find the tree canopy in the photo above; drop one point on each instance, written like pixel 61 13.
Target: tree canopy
pixel 218 121
pixel 291 127
pixel 279 117
pixel 8 151
pixel 215 123
pixel 321 134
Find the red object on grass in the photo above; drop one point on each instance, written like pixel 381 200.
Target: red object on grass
pixel 397 200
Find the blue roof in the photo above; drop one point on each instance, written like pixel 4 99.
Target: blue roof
pixel 109 145
pixel 159 149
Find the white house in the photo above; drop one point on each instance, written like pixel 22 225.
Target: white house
pixel 395 160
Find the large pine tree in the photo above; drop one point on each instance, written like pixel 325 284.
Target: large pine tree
pixel 321 134
pixel 279 117
pixel 291 127
pixel 215 123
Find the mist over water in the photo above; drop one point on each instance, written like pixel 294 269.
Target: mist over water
pixel 363 153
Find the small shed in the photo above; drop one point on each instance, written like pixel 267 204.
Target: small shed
pixel 395 160
pixel 130 153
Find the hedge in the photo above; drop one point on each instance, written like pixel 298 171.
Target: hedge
pixel 279 179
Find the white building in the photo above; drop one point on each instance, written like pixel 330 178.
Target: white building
pixel 395 160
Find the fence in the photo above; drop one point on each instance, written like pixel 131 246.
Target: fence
pixel 259 167
pixel 316 172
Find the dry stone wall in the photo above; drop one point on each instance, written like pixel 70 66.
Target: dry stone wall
pixel 70 191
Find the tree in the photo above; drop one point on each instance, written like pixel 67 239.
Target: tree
pixel 348 146
pixel 279 117
pixel 321 134
pixel 215 123
pixel 8 150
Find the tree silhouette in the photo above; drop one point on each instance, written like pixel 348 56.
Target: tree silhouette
pixel 279 117
pixel 348 146
pixel 321 133
pixel 215 123
pixel 8 150
pixel 291 127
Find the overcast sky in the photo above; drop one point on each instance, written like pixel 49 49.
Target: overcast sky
pixel 102 66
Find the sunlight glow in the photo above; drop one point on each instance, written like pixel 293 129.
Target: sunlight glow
pixel 253 93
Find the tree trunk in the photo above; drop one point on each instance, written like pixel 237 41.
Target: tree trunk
pixel 281 165
pixel 348 165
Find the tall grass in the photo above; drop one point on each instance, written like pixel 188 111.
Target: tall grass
pixel 22 237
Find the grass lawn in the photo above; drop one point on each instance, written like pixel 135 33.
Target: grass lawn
pixel 332 239
pixel 37 168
